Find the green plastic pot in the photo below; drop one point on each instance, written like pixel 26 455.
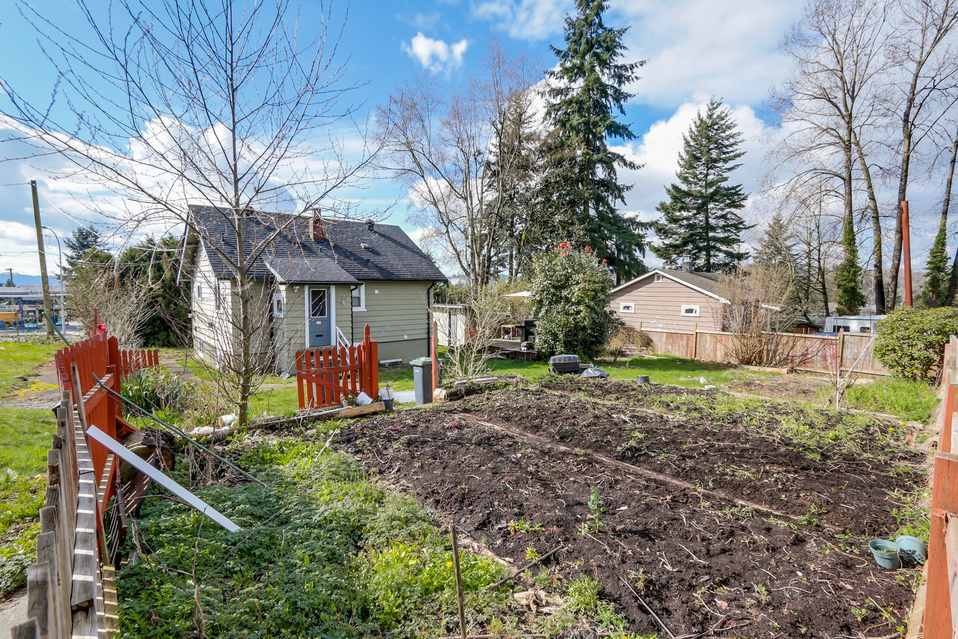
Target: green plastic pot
pixel 886 553
pixel 912 544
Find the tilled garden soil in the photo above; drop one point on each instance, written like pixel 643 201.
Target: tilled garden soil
pixel 518 468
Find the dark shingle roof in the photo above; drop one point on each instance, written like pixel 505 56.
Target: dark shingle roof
pixel 709 282
pixel 350 253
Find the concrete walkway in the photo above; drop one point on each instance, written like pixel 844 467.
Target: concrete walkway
pixel 13 612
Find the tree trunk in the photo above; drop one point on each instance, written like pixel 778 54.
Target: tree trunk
pixel 879 283
pixel 953 277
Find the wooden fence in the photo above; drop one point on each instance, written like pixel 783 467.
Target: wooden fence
pixel 812 353
pixel 70 590
pixel 327 376
pixel 941 603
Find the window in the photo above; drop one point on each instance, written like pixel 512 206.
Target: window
pixel 317 302
pixel 217 296
pixel 626 308
pixel 278 304
pixel 199 291
pixel 657 277
pixel 690 311
pixel 358 299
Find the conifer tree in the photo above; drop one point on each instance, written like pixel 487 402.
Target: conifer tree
pixel 580 186
pixel 936 284
pixel 700 219
pixel 850 297
pixel 775 248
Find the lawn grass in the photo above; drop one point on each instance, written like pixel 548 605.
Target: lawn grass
pixel 24 441
pixel 22 359
pixel 661 370
pixel 907 399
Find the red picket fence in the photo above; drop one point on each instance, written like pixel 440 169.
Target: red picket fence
pixel 100 357
pixel 941 603
pixel 325 376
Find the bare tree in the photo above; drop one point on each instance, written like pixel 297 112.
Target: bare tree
pixel 460 157
pixel 828 100
pixel 488 309
pixel 212 102
pixel 924 50
pixel 758 298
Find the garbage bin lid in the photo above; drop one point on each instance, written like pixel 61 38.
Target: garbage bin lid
pixel 421 361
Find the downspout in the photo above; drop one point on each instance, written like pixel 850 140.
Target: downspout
pixel 352 328
pixel 429 317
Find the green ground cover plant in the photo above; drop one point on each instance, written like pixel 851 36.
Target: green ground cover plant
pixel 323 552
pixel 22 359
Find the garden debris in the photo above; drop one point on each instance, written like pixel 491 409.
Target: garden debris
pixel 538 600
pixel 593 371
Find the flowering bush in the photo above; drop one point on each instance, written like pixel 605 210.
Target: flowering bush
pixel 911 342
pixel 570 298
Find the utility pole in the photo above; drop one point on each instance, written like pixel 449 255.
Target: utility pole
pixel 47 303
pixel 10 271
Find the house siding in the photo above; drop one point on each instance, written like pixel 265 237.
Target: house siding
pixel 206 317
pixel 659 305
pixel 396 315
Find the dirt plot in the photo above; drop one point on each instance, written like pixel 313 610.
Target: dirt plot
pixel 701 561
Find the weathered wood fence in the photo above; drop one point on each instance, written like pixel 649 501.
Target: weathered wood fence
pixel 326 376
pixel 941 603
pixel 70 590
pixel 812 353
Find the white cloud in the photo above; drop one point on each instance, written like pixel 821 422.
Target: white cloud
pixel 726 49
pixel 436 55
pixel 524 19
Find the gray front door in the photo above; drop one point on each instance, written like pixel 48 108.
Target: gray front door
pixel 319 330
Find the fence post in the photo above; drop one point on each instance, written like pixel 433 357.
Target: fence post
pixel 434 355
pixel 695 340
pixel 841 352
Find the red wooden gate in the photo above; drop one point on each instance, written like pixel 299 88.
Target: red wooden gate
pixel 327 376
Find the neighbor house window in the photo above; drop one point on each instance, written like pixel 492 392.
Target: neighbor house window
pixel 278 304
pixel 690 311
pixel 626 308
pixel 358 300
pixel 199 291
pixel 657 277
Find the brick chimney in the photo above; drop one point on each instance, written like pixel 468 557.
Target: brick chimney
pixel 317 229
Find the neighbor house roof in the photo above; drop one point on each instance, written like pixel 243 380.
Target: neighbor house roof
pixel 707 283
pixel 352 251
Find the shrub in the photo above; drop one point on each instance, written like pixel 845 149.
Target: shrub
pixel 159 389
pixel 624 339
pixel 911 342
pixel 570 291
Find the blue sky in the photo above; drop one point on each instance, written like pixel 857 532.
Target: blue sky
pixel 694 49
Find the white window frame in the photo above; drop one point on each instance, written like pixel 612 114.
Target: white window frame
pixel 279 304
pixel 657 277
pixel 626 307
pixel 362 299
pixel 693 308
pixel 199 291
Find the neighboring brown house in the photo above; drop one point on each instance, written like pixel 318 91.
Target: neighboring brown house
pixel 670 300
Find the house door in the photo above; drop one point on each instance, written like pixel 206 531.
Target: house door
pixel 319 329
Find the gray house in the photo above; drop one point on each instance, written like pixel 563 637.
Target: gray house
pixel 316 282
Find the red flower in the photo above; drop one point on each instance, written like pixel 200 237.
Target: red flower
pixel 604 260
pixel 564 254
pixel 588 248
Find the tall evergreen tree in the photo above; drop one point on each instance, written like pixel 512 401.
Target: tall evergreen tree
pixel 580 186
pixel 850 297
pixel 776 248
pixel 701 219
pixel 83 240
pixel 936 284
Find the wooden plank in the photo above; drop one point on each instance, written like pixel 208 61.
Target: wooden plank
pixel 951 554
pixel 40 603
pixel 131 458
pixel 85 555
pixel 27 630
pixel 938 614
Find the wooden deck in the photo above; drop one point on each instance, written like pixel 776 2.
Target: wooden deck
pixel 512 349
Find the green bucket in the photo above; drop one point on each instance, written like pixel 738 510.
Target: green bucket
pixel 886 553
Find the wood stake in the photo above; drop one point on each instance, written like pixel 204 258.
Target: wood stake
pixel 455 563
pixel 521 570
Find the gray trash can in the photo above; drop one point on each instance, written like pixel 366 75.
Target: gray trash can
pixel 422 378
